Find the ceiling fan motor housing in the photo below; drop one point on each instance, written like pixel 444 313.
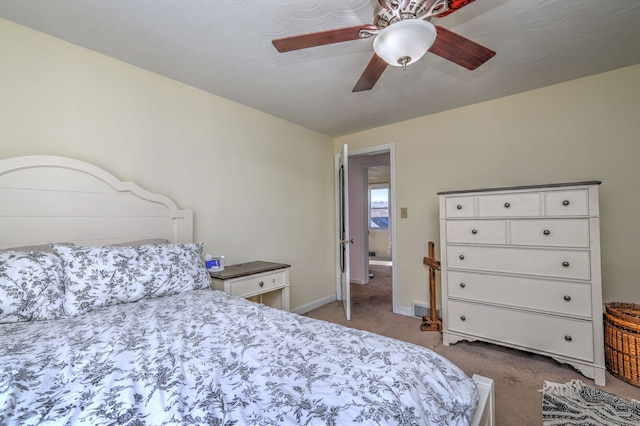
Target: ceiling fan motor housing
pixel 386 16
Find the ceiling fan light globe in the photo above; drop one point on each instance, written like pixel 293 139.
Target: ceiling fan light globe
pixel 408 38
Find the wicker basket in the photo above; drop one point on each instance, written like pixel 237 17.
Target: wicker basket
pixel 622 341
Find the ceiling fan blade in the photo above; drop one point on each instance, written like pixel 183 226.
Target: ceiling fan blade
pixel 453 6
pixel 371 74
pixel 320 38
pixel 460 50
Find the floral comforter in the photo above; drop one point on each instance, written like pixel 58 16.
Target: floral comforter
pixel 202 357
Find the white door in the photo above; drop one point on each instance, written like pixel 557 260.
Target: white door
pixel 343 231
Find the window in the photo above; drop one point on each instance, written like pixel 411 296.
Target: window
pixel 379 206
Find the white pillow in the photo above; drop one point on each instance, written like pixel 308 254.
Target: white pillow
pixel 30 286
pixel 143 242
pixel 37 247
pixel 108 275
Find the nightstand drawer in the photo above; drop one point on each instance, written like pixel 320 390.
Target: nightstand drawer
pixel 267 281
pixel 256 284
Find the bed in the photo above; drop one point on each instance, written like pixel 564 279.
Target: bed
pixel 106 317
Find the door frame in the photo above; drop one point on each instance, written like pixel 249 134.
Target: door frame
pixel 378 149
pixel 344 239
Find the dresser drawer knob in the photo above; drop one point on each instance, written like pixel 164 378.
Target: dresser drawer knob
pixel 565 203
pixel 507 205
pixel 459 207
pixel 565 264
pixel 261 283
pixel 462 257
pixel 567 298
pixel 568 338
pixel 546 232
pixel 474 231
pixel 463 285
pixel 463 318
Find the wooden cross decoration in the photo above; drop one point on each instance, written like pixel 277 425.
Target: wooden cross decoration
pixel 431 322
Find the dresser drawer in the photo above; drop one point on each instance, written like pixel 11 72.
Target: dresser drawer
pixel 459 206
pixel 572 264
pixel 567 203
pixel 562 336
pixel 567 298
pixel 550 232
pixel 477 231
pixel 255 284
pixel 510 205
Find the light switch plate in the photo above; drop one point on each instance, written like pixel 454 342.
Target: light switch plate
pixel 403 212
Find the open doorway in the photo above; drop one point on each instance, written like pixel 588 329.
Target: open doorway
pixel 378 292
pixel 379 206
pixel 372 227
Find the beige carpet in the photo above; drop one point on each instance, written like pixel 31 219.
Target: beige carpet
pixel 518 375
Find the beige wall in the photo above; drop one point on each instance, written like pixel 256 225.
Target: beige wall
pixel 379 242
pixel 586 129
pixel 260 187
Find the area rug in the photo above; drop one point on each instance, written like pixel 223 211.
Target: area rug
pixel 575 403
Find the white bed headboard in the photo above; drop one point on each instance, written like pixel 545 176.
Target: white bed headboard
pixel 46 199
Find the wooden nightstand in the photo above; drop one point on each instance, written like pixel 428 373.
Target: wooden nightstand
pixel 262 282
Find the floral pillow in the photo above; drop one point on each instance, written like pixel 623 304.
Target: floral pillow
pixel 108 275
pixel 30 286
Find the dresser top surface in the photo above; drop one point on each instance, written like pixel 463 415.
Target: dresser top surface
pixel 249 268
pixel 511 188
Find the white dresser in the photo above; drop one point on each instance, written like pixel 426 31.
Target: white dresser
pixel 521 268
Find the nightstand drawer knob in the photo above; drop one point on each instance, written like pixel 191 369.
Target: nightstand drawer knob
pixel 463 318
pixel 459 207
pixel 261 283
pixel 566 203
pixel 546 232
pixel 463 285
pixel 565 264
pixel 462 257
pixel 507 205
pixel 567 298
pixel 568 338
pixel 474 231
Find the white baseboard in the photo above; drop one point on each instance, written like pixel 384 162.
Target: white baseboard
pixel 315 304
pixel 404 311
pixel 301 310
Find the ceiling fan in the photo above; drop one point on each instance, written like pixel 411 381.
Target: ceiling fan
pixel 404 33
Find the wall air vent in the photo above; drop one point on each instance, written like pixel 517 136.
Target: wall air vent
pixel 420 310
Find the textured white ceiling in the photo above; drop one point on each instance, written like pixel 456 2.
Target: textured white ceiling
pixel 224 47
